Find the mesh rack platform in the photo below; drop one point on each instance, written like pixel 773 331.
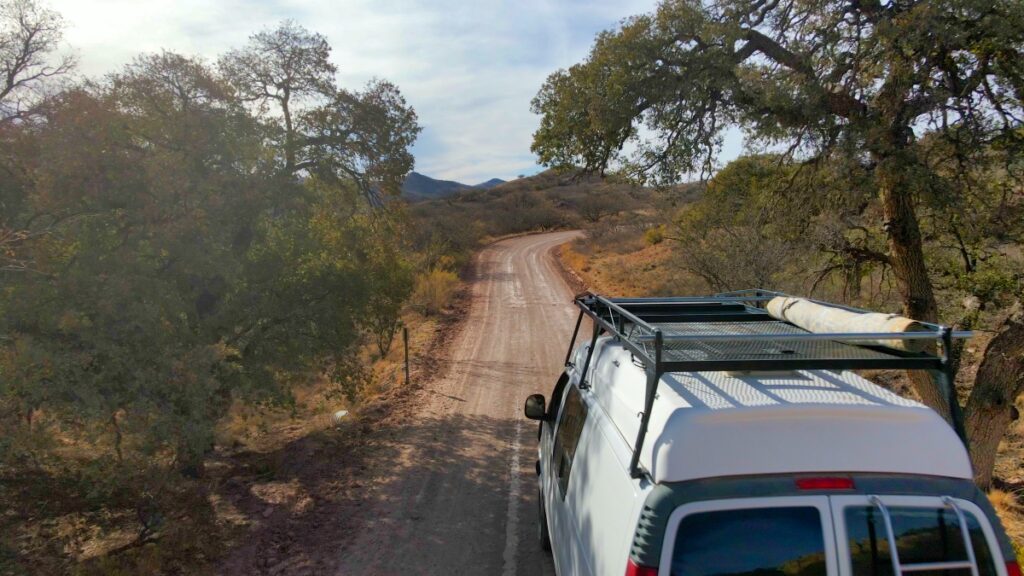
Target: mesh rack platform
pixel 733 332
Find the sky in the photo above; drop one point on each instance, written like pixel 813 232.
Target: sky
pixel 468 67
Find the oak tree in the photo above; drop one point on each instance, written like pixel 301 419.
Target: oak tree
pixel 361 137
pixel 824 82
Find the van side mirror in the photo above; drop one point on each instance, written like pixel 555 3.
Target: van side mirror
pixel 535 407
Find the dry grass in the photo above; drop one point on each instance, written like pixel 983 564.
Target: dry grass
pixel 434 290
pixel 573 259
pixel 646 271
pixel 1008 507
pixel 266 428
pixel 1009 510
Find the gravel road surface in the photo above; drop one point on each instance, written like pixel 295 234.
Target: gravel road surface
pixel 461 496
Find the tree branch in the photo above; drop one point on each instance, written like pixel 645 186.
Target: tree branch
pixel 839 103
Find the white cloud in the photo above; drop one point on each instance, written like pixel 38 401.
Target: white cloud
pixel 469 68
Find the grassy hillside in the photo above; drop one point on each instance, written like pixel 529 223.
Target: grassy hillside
pixel 551 200
pixel 420 187
pixel 417 187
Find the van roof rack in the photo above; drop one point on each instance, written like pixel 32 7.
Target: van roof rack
pixel 732 331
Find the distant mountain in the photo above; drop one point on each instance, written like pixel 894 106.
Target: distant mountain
pixel 490 183
pixel 420 187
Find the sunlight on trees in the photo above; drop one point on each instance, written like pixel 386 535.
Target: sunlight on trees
pixel 906 102
pixel 177 237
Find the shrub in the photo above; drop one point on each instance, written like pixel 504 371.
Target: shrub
pixel 434 290
pixel 654 235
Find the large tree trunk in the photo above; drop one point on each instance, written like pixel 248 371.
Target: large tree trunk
pixel 289 133
pixel 906 255
pixel 118 436
pixel 1000 377
pixel 990 408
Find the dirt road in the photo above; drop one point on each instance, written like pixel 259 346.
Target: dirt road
pixel 463 497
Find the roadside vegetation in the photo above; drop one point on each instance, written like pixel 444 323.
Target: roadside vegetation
pixel 883 168
pixel 457 225
pixel 203 267
pixel 198 264
pixel 202 263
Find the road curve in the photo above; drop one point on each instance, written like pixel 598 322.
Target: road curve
pixel 460 498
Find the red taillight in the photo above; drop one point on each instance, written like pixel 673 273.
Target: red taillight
pixel 1012 569
pixel 634 569
pixel 824 483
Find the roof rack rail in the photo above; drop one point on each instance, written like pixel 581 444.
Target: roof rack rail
pixel 732 331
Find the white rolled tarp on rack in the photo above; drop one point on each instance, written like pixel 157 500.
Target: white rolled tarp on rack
pixel 821 319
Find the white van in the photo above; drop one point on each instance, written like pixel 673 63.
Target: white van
pixel 704 436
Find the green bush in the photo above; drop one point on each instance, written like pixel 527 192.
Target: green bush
pixel 654 235
pixel 163 258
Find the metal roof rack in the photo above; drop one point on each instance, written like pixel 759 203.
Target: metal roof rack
pixel 732 331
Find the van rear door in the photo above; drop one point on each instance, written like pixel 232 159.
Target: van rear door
pixel 778 535
pixel 932 536
pixel 833 536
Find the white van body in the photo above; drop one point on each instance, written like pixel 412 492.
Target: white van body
pixel 812 444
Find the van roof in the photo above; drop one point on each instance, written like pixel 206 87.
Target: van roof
pixel 686 353
pixel 716 424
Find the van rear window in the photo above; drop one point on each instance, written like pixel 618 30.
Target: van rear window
pixel 754 541
pixel 923 536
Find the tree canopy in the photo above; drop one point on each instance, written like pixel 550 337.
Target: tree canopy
pixel 817 77
pixel 170 246
pixel 893 124
pixel 360 137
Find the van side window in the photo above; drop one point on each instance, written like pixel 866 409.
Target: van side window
pixel 570 426
pixel 556 395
